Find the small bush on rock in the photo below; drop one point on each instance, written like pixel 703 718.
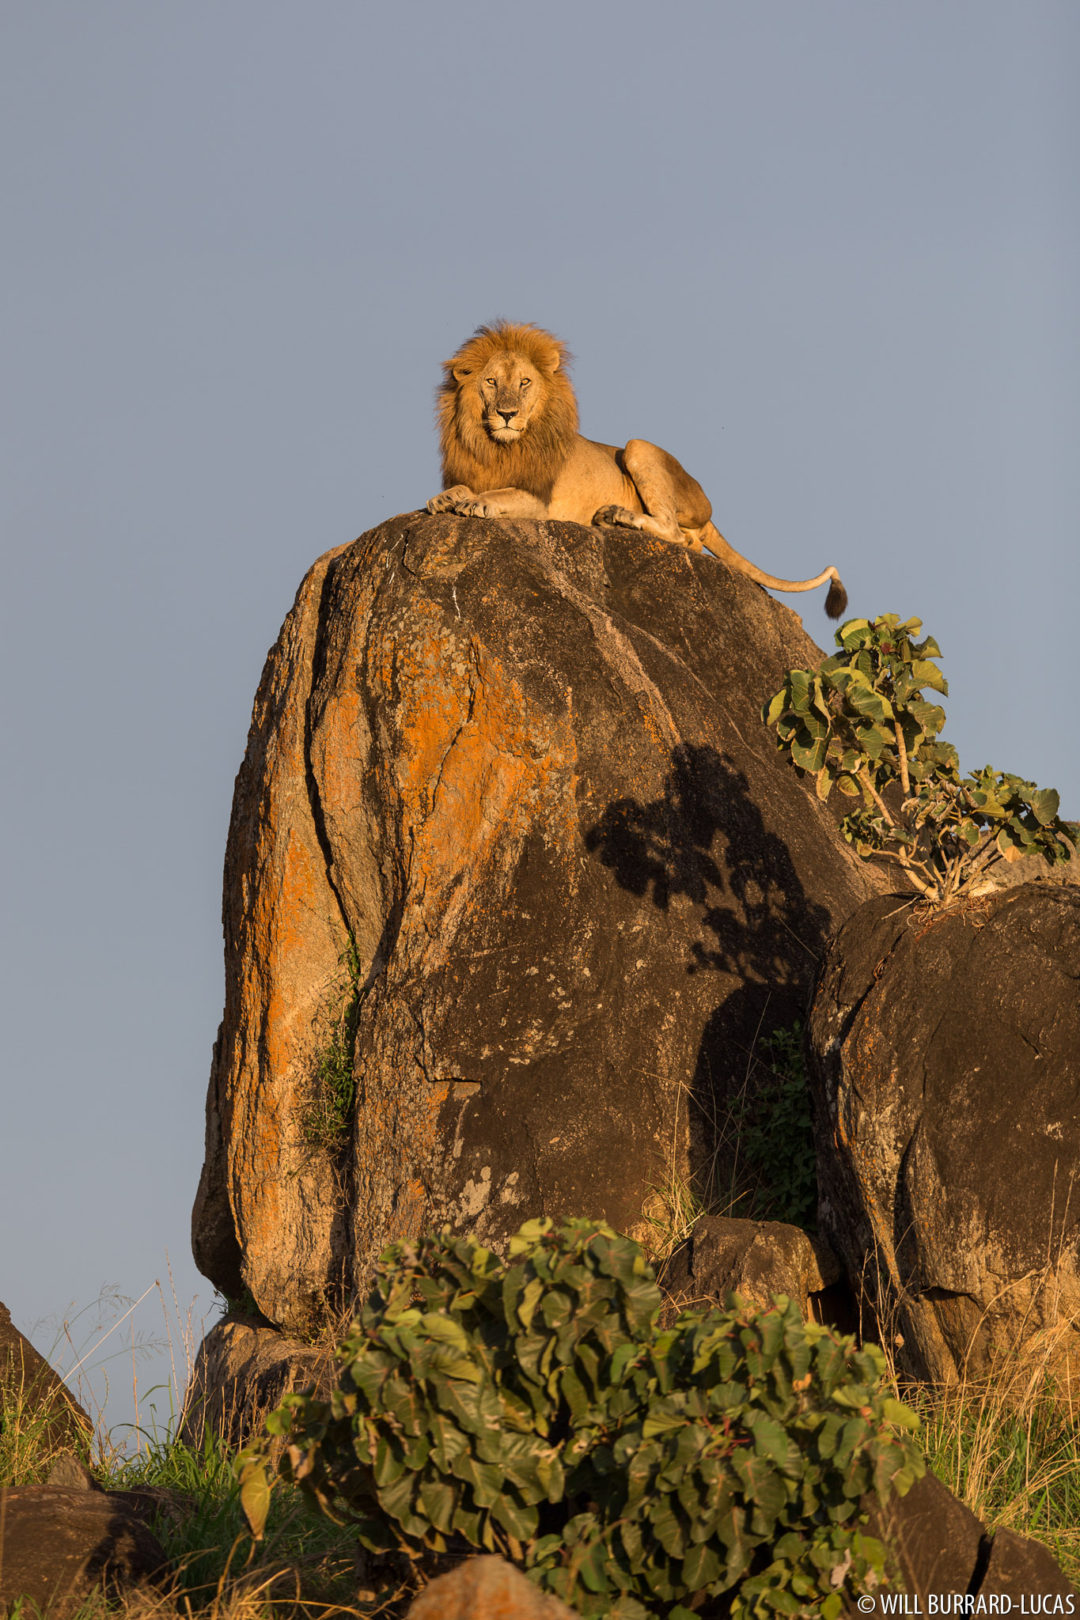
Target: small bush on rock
pixel 331 1089
pixel 776 1133
pixel 860 722
pixel 533 1408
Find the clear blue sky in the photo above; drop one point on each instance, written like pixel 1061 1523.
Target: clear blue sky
pixel 828 254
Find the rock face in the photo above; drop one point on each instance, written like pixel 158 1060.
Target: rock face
pixel 45 1405
pixel 755 1258
pixel 945 1059
pixel 486 1589
pixel 937 1545
pixel 511 835
pixel 58 1546
pixel 241 1372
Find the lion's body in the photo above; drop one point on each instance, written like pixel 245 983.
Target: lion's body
pixel 510 448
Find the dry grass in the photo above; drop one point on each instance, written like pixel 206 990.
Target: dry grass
pixel 1007 1441
pixel 1017 1466
pixel 1008 1445
pixel 304 1567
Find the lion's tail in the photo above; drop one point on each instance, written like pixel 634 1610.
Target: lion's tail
pixel 835 602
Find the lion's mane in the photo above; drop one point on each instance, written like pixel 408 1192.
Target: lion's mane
pixel 470 455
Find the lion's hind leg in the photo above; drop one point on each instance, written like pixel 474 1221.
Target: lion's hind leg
pixel 672 502
pixel 646 522
pixel 621 517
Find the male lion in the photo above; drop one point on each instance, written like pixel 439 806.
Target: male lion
pixel 510 448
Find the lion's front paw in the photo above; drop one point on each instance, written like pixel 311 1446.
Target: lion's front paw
pixel 476 508
pixel 450 499
pixel 620 515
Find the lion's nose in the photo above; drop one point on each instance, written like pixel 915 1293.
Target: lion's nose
pixel 508 416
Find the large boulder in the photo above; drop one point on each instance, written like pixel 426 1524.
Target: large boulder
pixel 724 1255
pixel 511 850
pixel 936 1546
pixel 59 1546
pixel 242 1371
pixel 945 1054
pixel 486 1588
pixel 34 1400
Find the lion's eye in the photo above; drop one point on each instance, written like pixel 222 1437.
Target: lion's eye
pixel 526 382
pixel 490 381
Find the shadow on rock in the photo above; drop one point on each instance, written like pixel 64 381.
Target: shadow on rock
pixel 706 839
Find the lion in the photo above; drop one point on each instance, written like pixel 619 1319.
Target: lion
pixel 510 448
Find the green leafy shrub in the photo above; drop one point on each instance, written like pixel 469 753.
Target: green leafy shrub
pixel 776 1134
pixel 331 1086
pixel 535 1409
pixel 860 722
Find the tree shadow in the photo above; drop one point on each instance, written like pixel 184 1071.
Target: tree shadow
pixel 706 839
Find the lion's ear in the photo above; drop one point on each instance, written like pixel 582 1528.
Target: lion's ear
pixel 461 372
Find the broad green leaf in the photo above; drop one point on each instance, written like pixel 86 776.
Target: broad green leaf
pixel 927 674
pixel 447 1440
pixel 574 1394
pixel 799 682
pixel 530 1235
pixel 809 754
pixel 771 1440
pixel 592 1567
pixel 255 1496
pixel 397 1501
pixel 669 1532
pixel 369 1376
pixel 868 703
pixel 661 1420
pixel 389 1462
pixel 530 1298
pixel 1045 805
pixel 438 1498
pixel 624 1356
pixel 278 1422
pixel 517 1518
pixel 700 1567
pixel 448 1330
pixel 551 1475
pixel 486 1480
pixel 417 1450
pixel 775 707
pixel 519 1459
pixel 446 1364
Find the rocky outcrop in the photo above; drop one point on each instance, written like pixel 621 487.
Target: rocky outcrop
pixel 509 835
pixel 757 1259
pixel 486 1588
pixel 936 1545
pixel 35 1397
pixel 59 1546
pixel 241 1372
pixel 945 1058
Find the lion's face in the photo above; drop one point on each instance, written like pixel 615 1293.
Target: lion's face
pixel 506 409
pixel 508 390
